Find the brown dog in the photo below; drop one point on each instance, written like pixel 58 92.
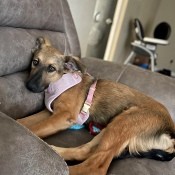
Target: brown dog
pixel 136 125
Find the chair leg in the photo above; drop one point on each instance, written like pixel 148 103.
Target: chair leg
pixel 129 57
pixel 152 62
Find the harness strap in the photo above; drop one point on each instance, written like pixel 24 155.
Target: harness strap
pixel 84 114
pixel 64 83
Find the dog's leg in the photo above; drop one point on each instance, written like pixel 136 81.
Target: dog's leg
pixel 99 160
pixel 34 119
pixel 81 152
pixel 56 122
pixel 119 136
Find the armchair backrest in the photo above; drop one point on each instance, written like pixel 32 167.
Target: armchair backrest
pixel 21 22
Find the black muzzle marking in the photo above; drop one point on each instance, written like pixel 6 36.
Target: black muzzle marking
pixel 35 82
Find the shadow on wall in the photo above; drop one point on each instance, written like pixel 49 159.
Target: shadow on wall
pixel 99 33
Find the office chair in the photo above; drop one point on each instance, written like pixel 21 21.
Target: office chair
pixel 144 46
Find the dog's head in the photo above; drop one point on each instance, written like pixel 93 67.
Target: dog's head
pixel 48 65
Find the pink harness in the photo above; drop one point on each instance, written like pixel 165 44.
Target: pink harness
pixel 64 83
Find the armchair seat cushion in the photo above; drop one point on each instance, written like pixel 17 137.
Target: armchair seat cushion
pixel 128 166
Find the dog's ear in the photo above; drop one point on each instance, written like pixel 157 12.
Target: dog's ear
pixel 72 64
pixel 41 42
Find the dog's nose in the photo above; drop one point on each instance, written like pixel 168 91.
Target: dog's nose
pixel 32 87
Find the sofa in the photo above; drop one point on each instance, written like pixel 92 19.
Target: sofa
pixel 23 153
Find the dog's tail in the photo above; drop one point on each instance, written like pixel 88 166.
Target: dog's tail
pixel 158 147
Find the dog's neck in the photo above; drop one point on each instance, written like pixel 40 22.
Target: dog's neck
pixel 57 88
pixel 64 83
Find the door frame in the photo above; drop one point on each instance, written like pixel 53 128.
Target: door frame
pixel 116 28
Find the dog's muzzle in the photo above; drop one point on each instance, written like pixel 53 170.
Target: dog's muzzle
pixel 35 83
pixel 34 88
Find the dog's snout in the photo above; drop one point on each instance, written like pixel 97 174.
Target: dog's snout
pixel 35 85
pixel 32 87
pixel 35 82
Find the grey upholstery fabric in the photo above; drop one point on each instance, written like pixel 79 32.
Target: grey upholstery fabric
pixel 22 153
pixel 15 100
pixel 161 88
pixel 103 69
pixel 16 51
pixel 33 14
pixel 70 138
pixel 132 166
pixel 52 15
pixel 21 22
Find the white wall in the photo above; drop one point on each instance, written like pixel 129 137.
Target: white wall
pixel 144 10
pixel 150 12
pixel 82 12
pixel 166 13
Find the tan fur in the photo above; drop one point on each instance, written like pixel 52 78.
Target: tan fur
pixel 145 143
pixel 134 122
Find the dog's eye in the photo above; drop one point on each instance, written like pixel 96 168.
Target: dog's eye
pixel 35 62
pixel 51 68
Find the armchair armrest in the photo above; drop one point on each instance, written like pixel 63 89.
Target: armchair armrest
pixel 104 69
pixel 24 153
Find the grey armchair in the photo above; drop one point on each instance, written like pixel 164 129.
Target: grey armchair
pixel 21 22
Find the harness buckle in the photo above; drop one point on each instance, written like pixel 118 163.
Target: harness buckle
pixel 86 107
